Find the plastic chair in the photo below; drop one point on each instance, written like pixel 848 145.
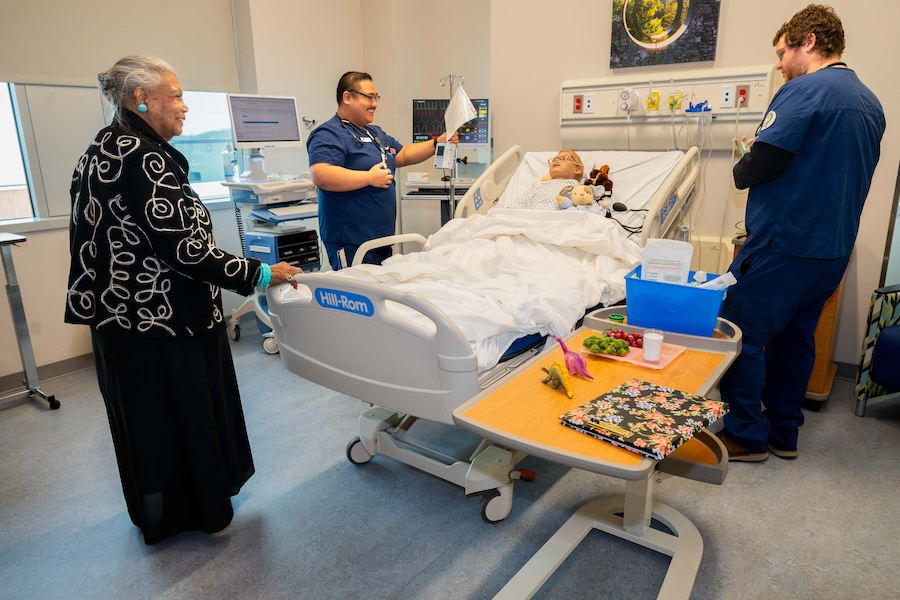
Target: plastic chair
pixel 877 375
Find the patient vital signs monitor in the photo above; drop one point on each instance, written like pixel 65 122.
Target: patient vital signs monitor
pixel 264 121
pixel 428 123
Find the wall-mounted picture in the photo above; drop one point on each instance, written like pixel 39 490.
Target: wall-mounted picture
pixel 663 32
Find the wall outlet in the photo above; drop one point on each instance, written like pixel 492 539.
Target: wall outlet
pixel 726 100
pixel 578 104
pixel 743 95
pixel 588 103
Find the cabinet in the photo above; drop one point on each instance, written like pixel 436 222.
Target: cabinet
pixel 300 248
pixel 824 369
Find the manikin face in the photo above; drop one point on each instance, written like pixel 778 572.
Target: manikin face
pixel 361 103
pixel 165 107
pixel 565 166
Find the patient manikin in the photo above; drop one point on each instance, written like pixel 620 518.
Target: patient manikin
pixel 566 169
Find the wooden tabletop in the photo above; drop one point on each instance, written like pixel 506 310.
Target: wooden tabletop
pixel 523 413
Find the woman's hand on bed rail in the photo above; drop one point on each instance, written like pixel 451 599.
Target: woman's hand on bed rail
pixel 284 273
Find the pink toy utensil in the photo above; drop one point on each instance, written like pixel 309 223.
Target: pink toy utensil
pixel 575 362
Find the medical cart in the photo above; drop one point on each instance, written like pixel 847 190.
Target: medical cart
pixel 276 231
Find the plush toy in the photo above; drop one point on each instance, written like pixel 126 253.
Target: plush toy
pixel 600 182
pixel 576 196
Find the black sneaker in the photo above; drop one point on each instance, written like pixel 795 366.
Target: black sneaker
pixel 738 453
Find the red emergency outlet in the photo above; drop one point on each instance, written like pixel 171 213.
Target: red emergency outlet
pixel 576 106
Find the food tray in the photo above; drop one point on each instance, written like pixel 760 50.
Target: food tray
pixel 636 356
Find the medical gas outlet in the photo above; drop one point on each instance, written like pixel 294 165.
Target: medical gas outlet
pixel 675 101
pixel 628 100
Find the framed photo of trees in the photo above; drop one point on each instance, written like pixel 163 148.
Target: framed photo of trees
pixel 659 32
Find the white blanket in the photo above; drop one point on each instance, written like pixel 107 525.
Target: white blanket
pixel 511 273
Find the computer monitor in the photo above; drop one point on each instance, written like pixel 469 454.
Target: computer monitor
pixel 264 121
pixel 428 123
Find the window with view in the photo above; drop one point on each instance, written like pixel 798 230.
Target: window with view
pixel 206 135
pixel 15 199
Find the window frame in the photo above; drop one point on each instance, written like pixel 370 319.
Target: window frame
pixel 213 198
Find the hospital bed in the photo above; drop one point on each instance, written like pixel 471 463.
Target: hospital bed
pixel 409 351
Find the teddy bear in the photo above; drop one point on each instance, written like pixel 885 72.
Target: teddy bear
pixel 600 182
pixel 579 197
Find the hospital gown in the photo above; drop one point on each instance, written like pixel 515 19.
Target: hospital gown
pixel 541 195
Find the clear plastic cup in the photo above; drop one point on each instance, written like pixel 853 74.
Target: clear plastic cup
pixel 653 341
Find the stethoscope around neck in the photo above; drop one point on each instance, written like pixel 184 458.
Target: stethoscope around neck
pixel 358 132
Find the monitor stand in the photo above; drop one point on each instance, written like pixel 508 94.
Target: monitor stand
pixel 257 170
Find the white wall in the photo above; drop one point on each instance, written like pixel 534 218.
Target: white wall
pixel 529 63
pixel 68 43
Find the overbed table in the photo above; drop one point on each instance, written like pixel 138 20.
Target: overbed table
pixel 32 383
pixel 522 414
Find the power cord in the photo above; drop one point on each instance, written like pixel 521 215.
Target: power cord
pixel 620 207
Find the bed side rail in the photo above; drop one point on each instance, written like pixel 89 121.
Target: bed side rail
pixel 673 200
pixel 389 348
pixel 484 193
pixel 388 240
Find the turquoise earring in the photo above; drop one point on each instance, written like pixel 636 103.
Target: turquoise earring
pixel 142 107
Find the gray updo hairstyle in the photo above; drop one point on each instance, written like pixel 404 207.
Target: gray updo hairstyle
pixel 119 82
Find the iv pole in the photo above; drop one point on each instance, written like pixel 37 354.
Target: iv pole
pixel 448 80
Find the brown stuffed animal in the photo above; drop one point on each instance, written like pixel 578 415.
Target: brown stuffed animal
pixel 600 177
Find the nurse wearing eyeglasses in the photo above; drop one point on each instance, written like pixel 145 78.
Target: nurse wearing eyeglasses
pixel 352 162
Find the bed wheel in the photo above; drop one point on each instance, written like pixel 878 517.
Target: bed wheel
pixel 357 453
pixel 270 345
pixel 494 508
pixel 235 332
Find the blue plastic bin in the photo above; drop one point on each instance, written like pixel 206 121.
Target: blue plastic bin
pixel 672 307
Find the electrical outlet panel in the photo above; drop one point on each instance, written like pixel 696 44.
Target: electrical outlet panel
pixel 726 100
pixel 588 104
pixel 578 104
pixel 743 96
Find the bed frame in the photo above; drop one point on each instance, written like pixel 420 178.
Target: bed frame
pixel 409 372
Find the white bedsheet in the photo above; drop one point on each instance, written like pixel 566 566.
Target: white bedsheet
pixel 512 272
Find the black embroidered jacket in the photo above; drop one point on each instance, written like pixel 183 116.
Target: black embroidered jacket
pixel 143 257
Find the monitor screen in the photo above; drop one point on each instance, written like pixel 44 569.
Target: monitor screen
pixel 264 121
pixel 428 123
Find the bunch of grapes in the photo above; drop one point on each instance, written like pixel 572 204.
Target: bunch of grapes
pixel 635 340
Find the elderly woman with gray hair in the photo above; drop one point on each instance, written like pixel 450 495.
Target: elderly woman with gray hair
pixel 146 276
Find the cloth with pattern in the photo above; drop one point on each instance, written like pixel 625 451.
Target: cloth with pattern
pixel 143 256
pixel 649 419
pixel 145 275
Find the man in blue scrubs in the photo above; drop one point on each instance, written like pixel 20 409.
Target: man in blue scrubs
pixel 352 162
pixel 809 170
